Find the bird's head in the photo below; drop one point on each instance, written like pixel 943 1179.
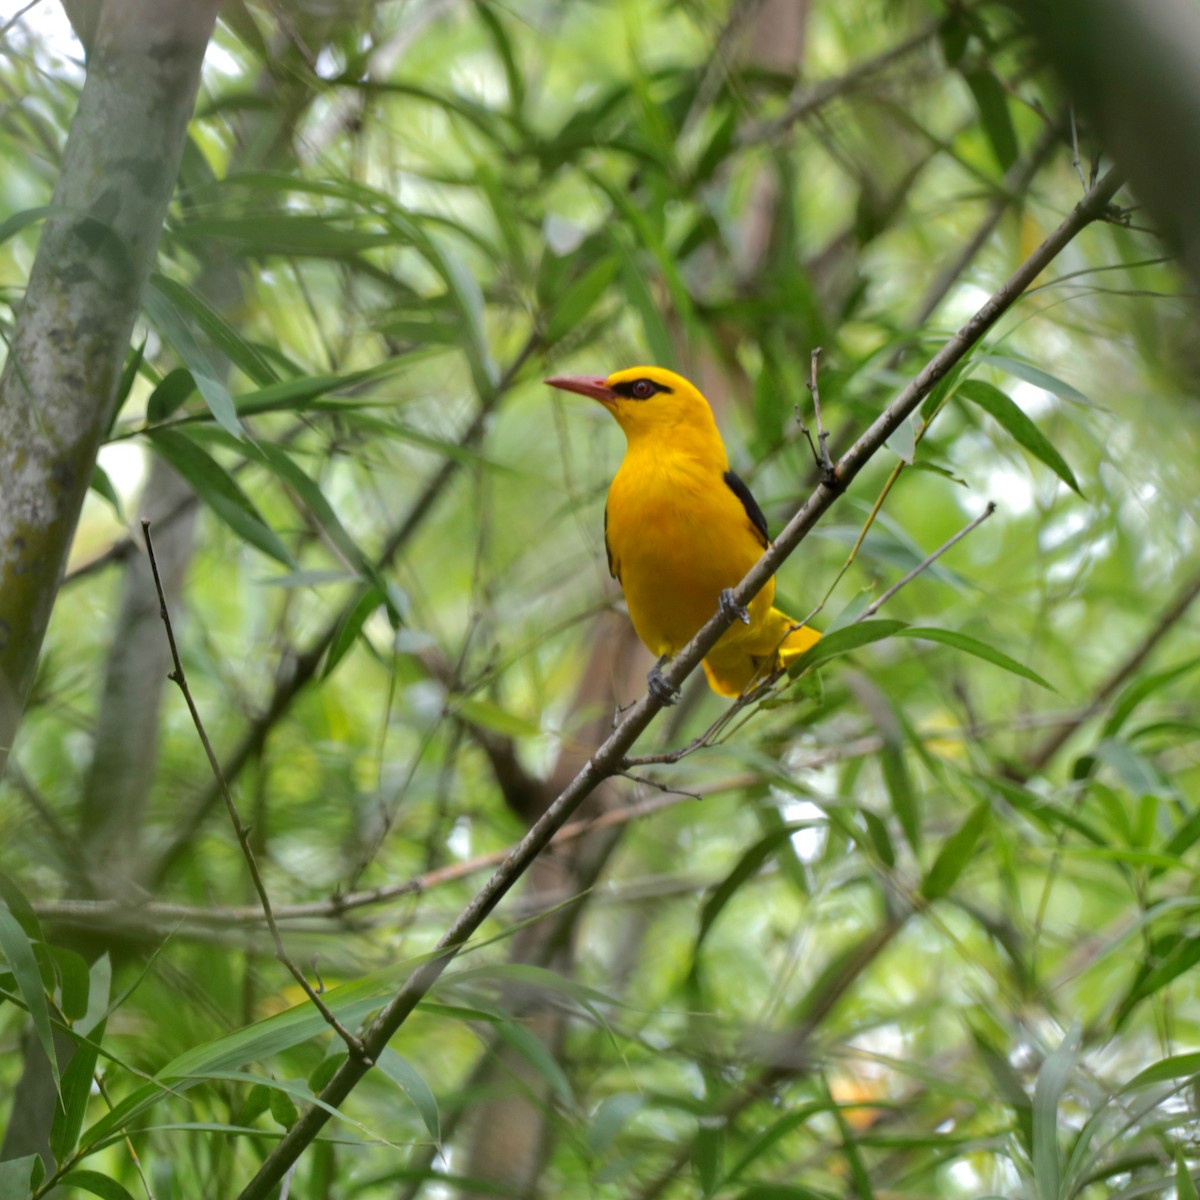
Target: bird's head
pixel 646 401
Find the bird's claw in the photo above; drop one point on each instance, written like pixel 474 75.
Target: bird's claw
pixel 730 609
pixel 659 688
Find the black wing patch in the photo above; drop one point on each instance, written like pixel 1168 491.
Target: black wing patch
pixel 742 492
pixel 612 567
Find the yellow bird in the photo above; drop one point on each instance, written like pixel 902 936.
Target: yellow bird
pixel 681 530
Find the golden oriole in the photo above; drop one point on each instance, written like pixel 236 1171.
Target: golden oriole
pixel 681 530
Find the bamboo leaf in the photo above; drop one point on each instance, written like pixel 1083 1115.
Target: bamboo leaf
pixel 74 1096
pixel 992 103
pixel 1047 1092
pixel 220 491
pixel 955 854
pixel 970 645
pixel 96 1184
pixel 19 954
pixel 994 402
pixel 409 1080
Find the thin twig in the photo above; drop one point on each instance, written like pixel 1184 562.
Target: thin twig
pixel 609 756
pixel 820 450
pixel 925 564
pixel 178 677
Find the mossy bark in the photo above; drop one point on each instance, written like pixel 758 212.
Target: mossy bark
pixel 58 387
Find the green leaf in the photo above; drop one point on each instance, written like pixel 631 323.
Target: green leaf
pixel 992 102
pixel 103 486
pixel 74 1096
pixel 843 641
pixel 16 1174
pixel 208 376
pixel 535 1052
pixel 478 710
pixel 955 854
pixel 222 335
pixel 654 329
pixel 1039 378
pixel 96 1184
pixel 410 1081
pixel 72 971
pixel 1177 1066
pixel 748 865
pixel 708 1151
pixel 283 1108
pixel 970 645
pixel 18 952
pixel 1140 690
pixel 610 1117
pixel 348 631
pixel 1185 1187
pixel 22 220
pixel 1047 1092
pixel 169 395
pixel 570 309
pixel 218 489
pixel 901 792
pixel 994 402
pixel 1180 958
pixel 129 373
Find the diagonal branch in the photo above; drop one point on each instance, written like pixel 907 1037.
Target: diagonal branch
pixel 609 758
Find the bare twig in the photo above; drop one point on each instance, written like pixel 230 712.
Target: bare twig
pixel 178 677
pixel 820 449
pixel 609 757
pixel 925 564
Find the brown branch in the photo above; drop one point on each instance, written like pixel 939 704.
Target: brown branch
pixel 1174 612
pixel 178 677
pixel 609 757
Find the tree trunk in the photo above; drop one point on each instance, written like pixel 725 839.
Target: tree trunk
pixel 59 383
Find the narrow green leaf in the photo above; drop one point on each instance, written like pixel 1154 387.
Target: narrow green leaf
pixel 18 951
pixel 129 373
pixel 218 489
pixel 901 792
pixel 96 1184
pixel 1006 411
pixel 747 866
pixel 1185 1186
pixel 1039 378
pixel 283 1108
pixel 992 102
pixel 1047 1092
pixel 708 1152
pixel 610 1117
pixel 16 1174
pixel 102 485
pixel 72 971
pixel 169 395
pixel 881 840
pixel 1177 1066
pixel 220 332
pixel 175 328
pixel 73 1099
pixel 843 641
pixel 535 1052
pixel 479 710
pixel 348 631
pixel 970 645
pixel 19 906
pixel 1182 957
pixel 569 310
pixel 955 854
pixel 633 281
pixel 410 1081
pixel 1139 691
pixel 22 220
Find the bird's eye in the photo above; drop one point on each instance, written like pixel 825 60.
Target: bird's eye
pixel 643 389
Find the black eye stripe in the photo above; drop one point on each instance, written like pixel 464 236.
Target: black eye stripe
pixel 626 389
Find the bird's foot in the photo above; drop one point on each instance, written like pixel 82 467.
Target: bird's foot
pixel 730 609
pixel 658 687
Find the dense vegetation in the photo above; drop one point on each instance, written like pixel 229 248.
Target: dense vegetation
pixel 918 923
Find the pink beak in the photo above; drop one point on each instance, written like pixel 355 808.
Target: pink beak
pixel 585 385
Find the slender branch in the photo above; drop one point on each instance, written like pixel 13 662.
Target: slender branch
pixel 178 677
pixel 1172 614
pixel 925 564
pixel 609 757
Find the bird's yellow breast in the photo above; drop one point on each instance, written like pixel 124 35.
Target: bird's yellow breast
pixel 677 536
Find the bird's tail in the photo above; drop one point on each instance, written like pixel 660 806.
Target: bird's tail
pixel 735 663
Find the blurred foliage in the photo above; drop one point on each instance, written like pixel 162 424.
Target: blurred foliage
pixel 907 945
